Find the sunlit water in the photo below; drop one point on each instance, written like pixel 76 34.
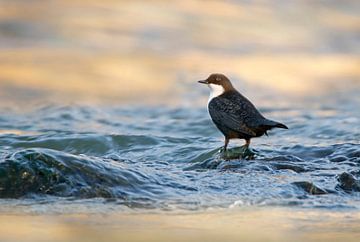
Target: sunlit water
pixel 167 158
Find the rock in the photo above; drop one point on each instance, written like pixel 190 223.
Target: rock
pixel 310 188
pixel 348 183
pixel 241 152
pixel 287 166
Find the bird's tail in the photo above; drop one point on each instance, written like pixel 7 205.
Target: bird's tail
pixel 273 124
pixel 280 125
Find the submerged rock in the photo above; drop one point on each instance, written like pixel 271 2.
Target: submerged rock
pixel 50 172
pixel 348 183
pixel 288 166
pixel 309 188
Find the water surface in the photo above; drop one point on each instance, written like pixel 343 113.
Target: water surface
pixel 167 158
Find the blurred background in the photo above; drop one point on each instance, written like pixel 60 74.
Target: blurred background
pixel 152 52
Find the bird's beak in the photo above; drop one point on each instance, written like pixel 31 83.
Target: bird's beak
pixel 203 82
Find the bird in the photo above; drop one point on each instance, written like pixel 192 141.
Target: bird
pixel 233 114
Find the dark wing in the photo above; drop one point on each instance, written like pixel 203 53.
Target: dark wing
pixel 251 117
pixel 226 112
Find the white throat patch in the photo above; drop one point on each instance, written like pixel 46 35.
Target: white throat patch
pixel 215 91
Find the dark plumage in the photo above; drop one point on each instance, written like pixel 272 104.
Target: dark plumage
pixel 233 114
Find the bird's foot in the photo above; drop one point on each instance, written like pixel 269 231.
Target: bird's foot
pixel 249 153
pixel 222 150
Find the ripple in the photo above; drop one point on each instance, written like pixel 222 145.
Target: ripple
pixel 169 158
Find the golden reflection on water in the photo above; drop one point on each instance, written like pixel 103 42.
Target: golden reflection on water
pixel 17 132
pixel 235 225
pixel 120 51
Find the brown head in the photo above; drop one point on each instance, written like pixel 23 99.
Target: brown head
pixel 218 84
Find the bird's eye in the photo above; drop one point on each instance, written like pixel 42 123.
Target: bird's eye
pixel 217 78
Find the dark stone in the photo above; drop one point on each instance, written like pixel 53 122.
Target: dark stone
pixel 286 166
pixel 348 183
pixel 51 172
pixel 309 188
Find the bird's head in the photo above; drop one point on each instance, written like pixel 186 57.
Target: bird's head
pixel 218 83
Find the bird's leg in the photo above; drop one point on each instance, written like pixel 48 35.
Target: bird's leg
pixel 247 144
pixel 223 149
pixel 245 147
pixel 248 153
pixel 226 143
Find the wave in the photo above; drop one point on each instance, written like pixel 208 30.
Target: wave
pixel 50 172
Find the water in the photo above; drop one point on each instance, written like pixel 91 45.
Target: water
pixel 151 157
pixel 104 133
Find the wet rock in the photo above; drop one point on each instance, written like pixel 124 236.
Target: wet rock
pixel 241 152
pixel 287 166
pixel 348 183
pixel 50 172
pixel 309 188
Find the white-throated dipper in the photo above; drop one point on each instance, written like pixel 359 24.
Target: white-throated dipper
pixel 233 114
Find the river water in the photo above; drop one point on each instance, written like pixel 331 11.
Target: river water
pixel 101 112
pixel 168 158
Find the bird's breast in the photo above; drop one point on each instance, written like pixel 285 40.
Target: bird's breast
pixel 215 91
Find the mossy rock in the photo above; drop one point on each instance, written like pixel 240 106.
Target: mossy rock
pixel 242 152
